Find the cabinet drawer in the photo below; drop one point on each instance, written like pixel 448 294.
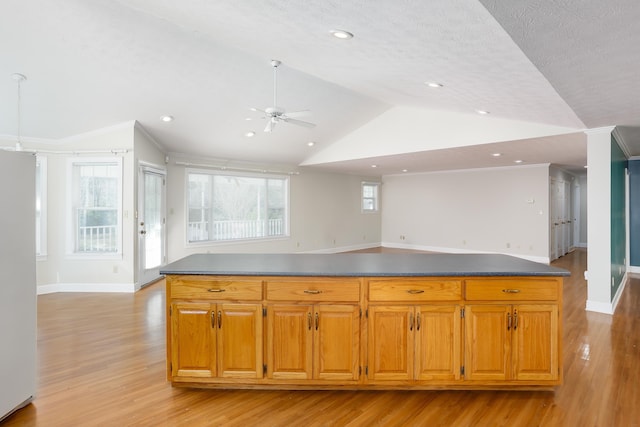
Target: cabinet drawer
pixel 513 288
pixel 301 289
pixel 408 289
pixel 215 287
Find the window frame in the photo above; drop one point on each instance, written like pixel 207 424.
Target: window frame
pixel 41 192
pixel 71 222
pixel 375 198
pixel 264 176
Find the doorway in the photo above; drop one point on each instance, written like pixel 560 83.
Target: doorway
pixel 151 221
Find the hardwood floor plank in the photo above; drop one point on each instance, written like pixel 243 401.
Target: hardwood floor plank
pixel 101 362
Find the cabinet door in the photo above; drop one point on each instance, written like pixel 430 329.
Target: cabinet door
pixel 535 342
pixel 336 342
pixel 289 341
pixel 488 342
pixel 239 340
pixel 391 342
pixel 193 340
pixel 438 343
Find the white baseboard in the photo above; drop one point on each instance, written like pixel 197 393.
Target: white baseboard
pixel 599 307
pixel 543 260
pixel 86 287
pixel 343 248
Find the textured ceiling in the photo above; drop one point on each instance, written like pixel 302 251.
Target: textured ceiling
pixel 96 63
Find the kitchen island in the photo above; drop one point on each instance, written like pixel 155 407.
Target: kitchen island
pixel 363 321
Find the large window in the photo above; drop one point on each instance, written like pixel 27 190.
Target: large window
pixel 234 207
pixel 96 205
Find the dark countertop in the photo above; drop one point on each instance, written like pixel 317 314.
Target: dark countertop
pixel 360 265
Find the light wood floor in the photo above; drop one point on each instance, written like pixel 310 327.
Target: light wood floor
pixel 101 363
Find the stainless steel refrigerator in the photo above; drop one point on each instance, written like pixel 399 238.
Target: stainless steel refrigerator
pixel 18 303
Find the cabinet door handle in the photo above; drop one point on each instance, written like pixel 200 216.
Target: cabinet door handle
pixel 317 321
pixel 416 291
pixel 411 321
pixel 309 320
pixel 215 290
pixel 213 319
pixel 219 320
pixel 515 319
pixel 418 322
pixel 511 291
pixel 312 291
pixel 508 321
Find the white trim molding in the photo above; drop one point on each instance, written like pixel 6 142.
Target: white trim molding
pixel 86 287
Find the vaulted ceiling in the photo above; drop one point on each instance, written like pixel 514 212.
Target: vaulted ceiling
pixel 558 65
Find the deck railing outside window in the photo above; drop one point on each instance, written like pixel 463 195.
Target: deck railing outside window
pixel 97 239
pixel 235 229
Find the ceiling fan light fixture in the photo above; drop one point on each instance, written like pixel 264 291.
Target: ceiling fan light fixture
pixel 341 34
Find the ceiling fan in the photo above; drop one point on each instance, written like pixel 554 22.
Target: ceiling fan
pixel 277 114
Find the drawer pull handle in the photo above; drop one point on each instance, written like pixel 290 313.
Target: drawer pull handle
pixel 416 291
pixel 215 290
pixel 309 320
pixel 411 321
pixel 312 291
pixel 511 291
pixel 508 321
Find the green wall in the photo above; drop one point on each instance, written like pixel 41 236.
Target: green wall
pixel 618 216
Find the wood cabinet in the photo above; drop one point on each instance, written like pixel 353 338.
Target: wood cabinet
pixel 364 333
pixel 517 342
pixel 210 335
pixel 415 343
pixel 313 341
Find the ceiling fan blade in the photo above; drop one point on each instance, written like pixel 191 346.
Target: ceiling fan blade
pixel 297 122
pixel 257 109
pixel 301 113
pixel 270 125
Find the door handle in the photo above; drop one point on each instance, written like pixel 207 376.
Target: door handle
pixel 508 321
pixel 411 321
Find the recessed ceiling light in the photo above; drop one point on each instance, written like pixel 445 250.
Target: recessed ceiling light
pixel 248 119
pixel 405 170
pixel 311 143
pixel 341 34
pixel 166 118
pixel 482 112
pixel 249 134
pixel 433 84
pixel 496 154
pixel 374 166
pixel 518 161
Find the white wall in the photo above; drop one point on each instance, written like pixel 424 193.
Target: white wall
pixel 325 217
pixel 503 210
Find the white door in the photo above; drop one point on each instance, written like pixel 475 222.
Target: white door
pixel 151 223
